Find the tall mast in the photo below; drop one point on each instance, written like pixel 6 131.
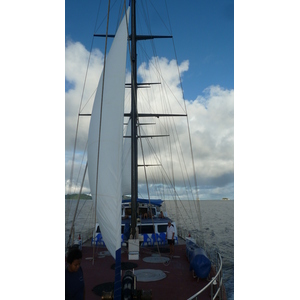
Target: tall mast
pixel 134 114
pixel 134 122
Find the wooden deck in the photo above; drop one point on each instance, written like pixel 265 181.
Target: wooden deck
pixel 178 284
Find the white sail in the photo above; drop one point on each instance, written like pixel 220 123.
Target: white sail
pixel 107 157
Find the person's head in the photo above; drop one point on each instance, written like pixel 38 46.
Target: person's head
pixel 74 259
pixel 169 223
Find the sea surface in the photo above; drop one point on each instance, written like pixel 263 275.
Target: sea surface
pixel 217 228
pixel 217 219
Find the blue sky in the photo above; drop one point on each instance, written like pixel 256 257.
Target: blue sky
pixel 203 33
pixel 204 42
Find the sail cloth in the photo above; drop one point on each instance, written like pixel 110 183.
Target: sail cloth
pixel 106 155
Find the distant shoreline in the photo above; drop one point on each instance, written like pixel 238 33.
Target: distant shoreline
pixel 89 197
pixel 75 197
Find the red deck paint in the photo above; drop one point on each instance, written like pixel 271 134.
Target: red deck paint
pixel 178 284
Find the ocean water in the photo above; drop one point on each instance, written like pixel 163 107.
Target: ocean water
pixel 217 218
pixel 218 223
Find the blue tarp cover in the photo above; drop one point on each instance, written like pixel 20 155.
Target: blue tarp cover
pixel 198 259
pixel 157 202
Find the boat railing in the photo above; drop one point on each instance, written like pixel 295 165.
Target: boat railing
pixel 85 235
pixel 215 284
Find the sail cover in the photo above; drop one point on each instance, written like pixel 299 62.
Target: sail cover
pixel 106 154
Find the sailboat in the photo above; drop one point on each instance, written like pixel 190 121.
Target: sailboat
pixel 118 136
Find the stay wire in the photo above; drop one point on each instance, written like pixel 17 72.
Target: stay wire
pixel 189 133
pixel 80 106
pixel 100 121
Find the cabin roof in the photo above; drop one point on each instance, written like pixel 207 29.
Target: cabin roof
pixel 157 202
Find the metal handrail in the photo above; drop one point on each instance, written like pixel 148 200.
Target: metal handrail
pixel 219 276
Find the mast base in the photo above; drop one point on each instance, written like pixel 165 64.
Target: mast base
pixel 133 249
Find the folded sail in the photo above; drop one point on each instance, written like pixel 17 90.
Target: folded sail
pixel 106 154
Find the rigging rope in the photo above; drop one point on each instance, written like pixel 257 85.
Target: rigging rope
pixel 80 107
pixel 179 149
pixel 166 179
pixel 100 122
pixel 72 226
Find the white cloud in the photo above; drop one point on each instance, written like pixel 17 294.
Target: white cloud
pixel 211 116
pixel 212 125
pixel 76 60
pixel 75 69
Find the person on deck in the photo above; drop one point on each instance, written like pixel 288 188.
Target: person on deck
pixel 74 283
pixel 161 215
pixel 148 214
pixel 170 237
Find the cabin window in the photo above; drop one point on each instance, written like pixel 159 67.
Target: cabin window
pixel 162 228
pixel 146 229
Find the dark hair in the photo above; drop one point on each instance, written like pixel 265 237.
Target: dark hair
pixel 73 254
